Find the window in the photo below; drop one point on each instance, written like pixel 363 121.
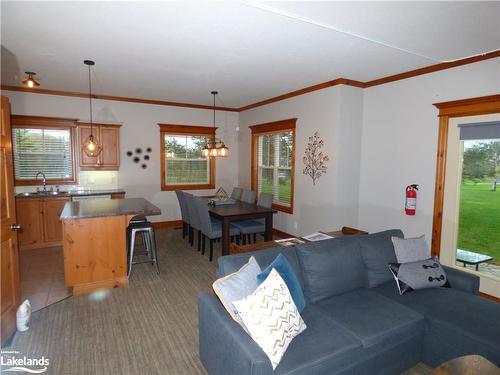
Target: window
pixel 42 144
pixel 273 159
pixel 183 165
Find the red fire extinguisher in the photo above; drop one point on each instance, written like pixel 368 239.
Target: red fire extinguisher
pixel 411 199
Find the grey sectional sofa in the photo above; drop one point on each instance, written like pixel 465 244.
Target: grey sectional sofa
pixel 357 323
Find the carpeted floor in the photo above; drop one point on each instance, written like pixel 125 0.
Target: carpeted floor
pixel 149 328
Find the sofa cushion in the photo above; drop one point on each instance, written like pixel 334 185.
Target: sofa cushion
pixel 421 274
pixel 323 346
pixel 411 249
pixel 231 263
pixel 331 267
pixel 281 265
pixel 237 285
pixel 271 317
pixel 373 318
pixel 377 251
pixel 477 318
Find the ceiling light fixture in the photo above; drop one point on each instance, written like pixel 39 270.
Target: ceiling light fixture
pixel 215 147
pixel 30 81
pixel 91 146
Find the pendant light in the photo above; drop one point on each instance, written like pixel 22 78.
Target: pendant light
pixel 91 146
pixel 30 81
pixel 215 147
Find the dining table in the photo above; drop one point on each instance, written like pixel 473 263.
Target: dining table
pixel 239 210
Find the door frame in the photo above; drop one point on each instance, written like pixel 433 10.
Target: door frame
pixel 458 108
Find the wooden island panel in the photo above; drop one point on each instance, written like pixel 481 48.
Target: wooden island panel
pixel 95 244
pixel 95 254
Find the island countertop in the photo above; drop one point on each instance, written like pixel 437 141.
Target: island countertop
pixel 106 208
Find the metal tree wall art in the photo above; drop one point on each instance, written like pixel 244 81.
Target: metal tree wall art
pixel 314 160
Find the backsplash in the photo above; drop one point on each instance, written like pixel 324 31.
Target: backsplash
pixel 93 180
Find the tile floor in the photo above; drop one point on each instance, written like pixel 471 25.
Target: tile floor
pixel 42 276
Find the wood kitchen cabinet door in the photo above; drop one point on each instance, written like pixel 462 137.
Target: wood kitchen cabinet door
pixel 83 133
pixel 110 154
pixel 52 226
pixel 109 137
pixel 29 215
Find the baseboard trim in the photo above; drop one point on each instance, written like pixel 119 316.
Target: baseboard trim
pixel 167 224
pixel 490 297
pixel 281 234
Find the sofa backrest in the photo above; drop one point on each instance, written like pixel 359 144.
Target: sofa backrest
pixel 377 251
pixel 331 267
pixel 232 263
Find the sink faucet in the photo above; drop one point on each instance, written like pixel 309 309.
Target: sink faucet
pixel 44 180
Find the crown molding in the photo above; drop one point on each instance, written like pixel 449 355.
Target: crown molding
pixel 115 98
pixel 378 81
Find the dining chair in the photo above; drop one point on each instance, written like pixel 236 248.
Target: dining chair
pixel 248 196
pixel 212 228
pixel 184 212
pixel 236 194
pixel 256 226
pixel 194 220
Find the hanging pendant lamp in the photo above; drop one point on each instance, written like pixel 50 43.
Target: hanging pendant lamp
pixel 91 146
pixel 215 147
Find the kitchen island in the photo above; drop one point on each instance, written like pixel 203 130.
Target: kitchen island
pixel 94 241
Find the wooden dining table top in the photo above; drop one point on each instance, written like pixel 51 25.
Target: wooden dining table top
pixel 239 209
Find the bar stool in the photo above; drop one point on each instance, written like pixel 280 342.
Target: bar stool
pixel 146 229
pixel 134 220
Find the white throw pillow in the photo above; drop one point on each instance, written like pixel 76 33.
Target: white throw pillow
pixel 271 317
pixel 237 285
pixel 411 249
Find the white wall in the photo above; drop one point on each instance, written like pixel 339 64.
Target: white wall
pixel 399 142
pixel 336 113
pixel 140 129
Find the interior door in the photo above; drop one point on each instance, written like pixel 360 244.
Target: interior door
pixel 9 267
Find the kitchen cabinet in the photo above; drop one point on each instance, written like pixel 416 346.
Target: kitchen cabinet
pixel 40 223
pixel 109 137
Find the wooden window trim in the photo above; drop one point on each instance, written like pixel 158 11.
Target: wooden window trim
pixel 457 108
pixel 270 128
pixel 172 129
pixel 42 122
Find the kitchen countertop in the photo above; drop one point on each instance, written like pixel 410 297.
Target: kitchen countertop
pixel 105 208
pixel 70 193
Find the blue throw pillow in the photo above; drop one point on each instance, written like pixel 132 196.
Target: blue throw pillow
pixel 281 265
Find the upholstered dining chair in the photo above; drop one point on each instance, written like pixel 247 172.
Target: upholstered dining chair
pixel 184 212
pixel 212 228
pixel 194 219
pixel 236 194
pixel 248 196
pixel 256 226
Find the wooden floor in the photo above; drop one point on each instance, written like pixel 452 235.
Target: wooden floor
pixel 148 328
pixel 42 277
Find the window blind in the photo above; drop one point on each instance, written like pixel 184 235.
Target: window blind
pixel 45 150
pixel 481 130
pixel 274 157
pixel 184 162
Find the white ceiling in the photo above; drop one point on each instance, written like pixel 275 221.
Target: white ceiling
pixel 249 51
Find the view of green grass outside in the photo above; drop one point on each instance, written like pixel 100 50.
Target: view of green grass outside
pixel 479 223
pixel 284 192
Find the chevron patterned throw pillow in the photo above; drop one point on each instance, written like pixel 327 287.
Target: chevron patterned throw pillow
pixel 271 317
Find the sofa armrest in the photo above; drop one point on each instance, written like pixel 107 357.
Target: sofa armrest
pixel 461 280
pixel 225 348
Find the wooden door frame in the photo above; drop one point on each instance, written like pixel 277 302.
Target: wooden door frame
pixel 456 108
